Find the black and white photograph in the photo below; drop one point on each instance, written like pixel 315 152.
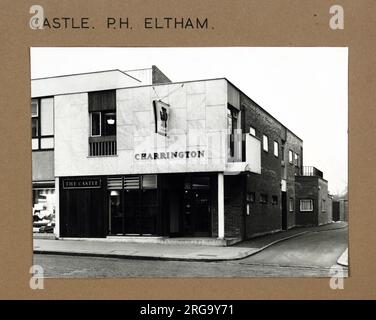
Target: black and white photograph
pixel 189 161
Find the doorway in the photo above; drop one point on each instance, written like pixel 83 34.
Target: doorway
pixel 133 205
pixel 197 206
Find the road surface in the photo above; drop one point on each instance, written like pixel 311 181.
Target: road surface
pixel 309 255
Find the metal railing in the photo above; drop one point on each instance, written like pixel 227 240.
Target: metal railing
pixel 102 146
pixel 312 171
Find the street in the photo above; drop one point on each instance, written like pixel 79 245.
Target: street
pixel 308 255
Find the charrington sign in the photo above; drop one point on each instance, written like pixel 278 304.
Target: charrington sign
pixel 170 155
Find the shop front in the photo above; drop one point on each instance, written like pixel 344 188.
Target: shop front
pixel 139 205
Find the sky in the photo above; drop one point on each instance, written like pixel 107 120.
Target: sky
pixel 304 88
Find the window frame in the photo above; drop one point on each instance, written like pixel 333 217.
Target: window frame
pixel 311 207
pixel 276 149
pixel 91 124
pixel 232 115
pixel 291 161
pixel 39 137
pixel 263 143
pixel 296 159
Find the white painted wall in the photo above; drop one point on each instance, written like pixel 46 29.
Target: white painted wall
pixel 95 81
pixel 197 122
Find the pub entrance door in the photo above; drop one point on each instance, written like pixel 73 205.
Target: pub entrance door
pixel 197 206
pixel 133 205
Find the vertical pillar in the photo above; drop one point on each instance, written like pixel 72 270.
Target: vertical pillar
pixel 57 208
pixel 221 208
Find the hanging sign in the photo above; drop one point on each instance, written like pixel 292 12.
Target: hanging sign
pixel 161 117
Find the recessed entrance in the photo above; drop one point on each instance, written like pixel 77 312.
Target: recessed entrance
pixel 196 212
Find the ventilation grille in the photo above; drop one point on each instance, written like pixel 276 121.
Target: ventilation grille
pixel 114 183
pixel 132 183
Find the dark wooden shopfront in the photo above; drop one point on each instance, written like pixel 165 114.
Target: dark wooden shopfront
pixel 142 205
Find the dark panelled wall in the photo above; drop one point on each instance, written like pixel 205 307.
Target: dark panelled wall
pixel 83 212
pixel 102 100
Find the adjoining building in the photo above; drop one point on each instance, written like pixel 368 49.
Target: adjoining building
pixel 313 202
pixel 130 153
pixel 340 210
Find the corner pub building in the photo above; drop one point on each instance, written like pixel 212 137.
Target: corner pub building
pixel 131 154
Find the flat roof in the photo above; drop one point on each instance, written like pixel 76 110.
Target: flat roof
pixel 90 72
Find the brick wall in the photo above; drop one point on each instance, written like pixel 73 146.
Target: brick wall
pixel 158 76
pixel 324 216
pixel 291 170
pixel 306 187
pixel 264 218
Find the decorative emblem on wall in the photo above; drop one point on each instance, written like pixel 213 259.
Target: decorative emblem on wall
pixel 161 117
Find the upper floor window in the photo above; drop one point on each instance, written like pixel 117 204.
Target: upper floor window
pixel 275 200
pixel 42 123
pixel 103 123
pixel 102 113
pixel 276 149
pixel 290 156
pixel 296 159
pixel 265 143
pixel 252 131
pixel 232 125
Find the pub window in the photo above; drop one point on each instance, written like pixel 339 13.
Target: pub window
pixel 95 124
pixel 290 156
pixel 296 159
pixel 103 124
pixel 252 131
pixel 251 197
pixel 265 143
pixel 291 204
pixel 42 123
pixel 306 205
pixel 276 148
pixel 263 198
pixel 275 200
pixel 102 113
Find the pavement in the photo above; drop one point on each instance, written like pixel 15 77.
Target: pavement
pixel 100 248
